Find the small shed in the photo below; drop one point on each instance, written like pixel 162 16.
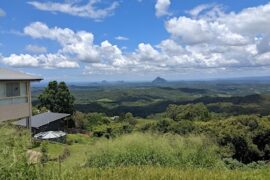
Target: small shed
pixel 47 121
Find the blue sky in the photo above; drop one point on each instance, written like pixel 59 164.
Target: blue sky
pixel 92 40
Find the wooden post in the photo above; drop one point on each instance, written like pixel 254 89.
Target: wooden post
pixel 29 123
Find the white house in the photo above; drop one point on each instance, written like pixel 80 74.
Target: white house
pixel 15 95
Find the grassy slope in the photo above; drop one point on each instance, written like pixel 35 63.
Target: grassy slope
pixel 72 168
pixel 136 172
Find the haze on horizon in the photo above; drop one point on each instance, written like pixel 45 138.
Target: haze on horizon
pixel 137 40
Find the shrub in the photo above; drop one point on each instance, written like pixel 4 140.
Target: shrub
pixel 44 151
pixel 188 112
pixel 150 126
pixel 184 127
pixel 96 119
pixel 164 126
pixel 245 138
pixel 112 130
pixel 64 155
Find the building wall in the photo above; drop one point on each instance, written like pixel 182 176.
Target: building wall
pixel 58 125
pixel 16 109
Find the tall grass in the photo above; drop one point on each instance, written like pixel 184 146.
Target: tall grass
pixel 154 150
pixel 13 160
pixel 145 156
pixel 152 173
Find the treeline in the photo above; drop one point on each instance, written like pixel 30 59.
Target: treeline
pixel 251 104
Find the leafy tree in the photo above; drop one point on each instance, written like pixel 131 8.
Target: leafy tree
pixel 128 115
pixel 164 126
pixel 245 138
pixel 130 119
pixel 80 120
pixel 36 110
pixel 188 112
pixel 95 119
pixel 57 98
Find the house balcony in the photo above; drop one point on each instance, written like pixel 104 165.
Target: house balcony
pixel 13 100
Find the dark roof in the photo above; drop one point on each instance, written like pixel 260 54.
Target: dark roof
pixel 10 75
pixel 42 119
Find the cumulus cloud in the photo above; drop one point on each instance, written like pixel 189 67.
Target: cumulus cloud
pixel 202 41
pixel 162 7
pixel 89 10
pixel 219 39
pixel 206 10
pixel 45 61
pixel 79 44
pixel 35 49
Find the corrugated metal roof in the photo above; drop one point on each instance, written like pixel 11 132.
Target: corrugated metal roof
pixel 10 75
pixel 42 119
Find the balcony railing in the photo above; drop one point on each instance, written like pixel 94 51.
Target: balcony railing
pixel 13 100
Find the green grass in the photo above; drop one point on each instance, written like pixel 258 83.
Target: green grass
pixel 55 149
pixel 160 150
pixel 14 165
pixel 138 149
pixel 153 172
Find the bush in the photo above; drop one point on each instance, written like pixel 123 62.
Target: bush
pixel 164 126
pixel 64 155
pixel 245 138
pixel 184 127
pixel 112 130
pixel 188 112
pixel 77 138
pixel 147 127
pixel 146 149
pixel 96 119
pixel 233 163
pixel 44 151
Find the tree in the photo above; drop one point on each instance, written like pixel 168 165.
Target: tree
pixel 57 98
pixel 80 120
pixel 188 112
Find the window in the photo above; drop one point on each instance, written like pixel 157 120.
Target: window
pixel 23 89
pixel 2 89
pixel 13 93
pixel 12 89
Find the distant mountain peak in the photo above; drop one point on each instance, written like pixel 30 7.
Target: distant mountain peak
pixel 159 80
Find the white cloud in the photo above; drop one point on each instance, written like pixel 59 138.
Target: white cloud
pixel 198 9
pixel 214 38
pixel 45 61
pixel 207 11
pixel 35 49
pixel 79 44
pixel 89 10
pixel 121 38
pixel 21 60
pixel 205 41
pixel 2 12
pixel 162 7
